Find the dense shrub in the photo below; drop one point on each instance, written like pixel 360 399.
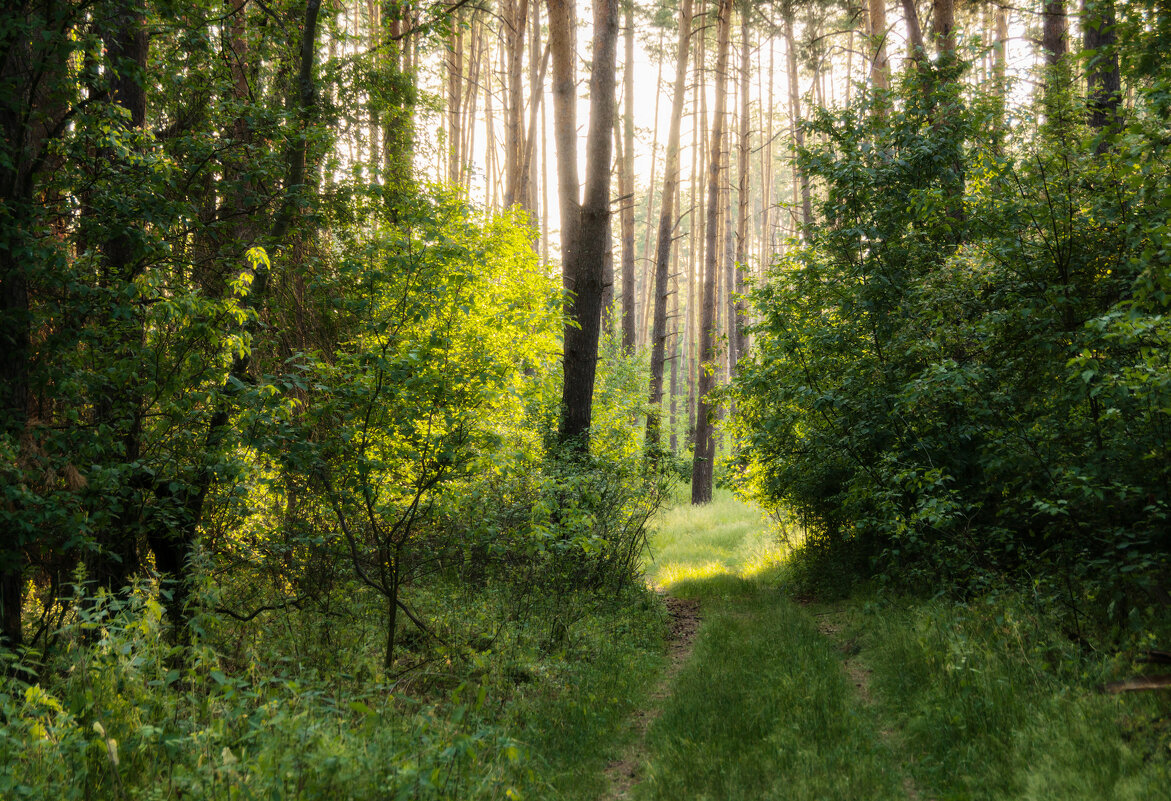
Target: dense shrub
pixel 960 393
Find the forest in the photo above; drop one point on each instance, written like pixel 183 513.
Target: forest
pixel 364 362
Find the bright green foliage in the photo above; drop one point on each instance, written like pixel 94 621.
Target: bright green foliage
pixel 963 389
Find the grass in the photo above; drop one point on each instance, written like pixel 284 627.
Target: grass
pixel 986 700
pixel 724 537
pixel 763 708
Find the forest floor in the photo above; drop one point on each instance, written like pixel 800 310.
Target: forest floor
pixel 768 696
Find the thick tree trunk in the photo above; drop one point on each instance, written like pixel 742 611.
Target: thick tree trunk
pixel 1103 79
pixel 944 22
pixel 666 231
pixel 588 252
pixel 1053 33
pixel 562 27
pixel 702 464
pixel 916 49
pixel 879 63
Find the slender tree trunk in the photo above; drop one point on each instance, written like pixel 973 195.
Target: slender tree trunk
pixel 515 26
pixel 626 182
pixel 120 407
pixel 796 130
pixel 701 468
pixel 585 262
pixel 455 66
pixel 666 232
pixel 737 308
pixel 643 321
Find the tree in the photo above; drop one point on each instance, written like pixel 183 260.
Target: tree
pixel 666 232
pixel 704 457
pixel 584 238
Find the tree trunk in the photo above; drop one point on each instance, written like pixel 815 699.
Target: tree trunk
pixel 562 27
pixel 666 231
pixel 795 118
pixel 119 407
pixel 945 36
pixel 515 26
pixel 916 49
pixel 879 63
pixel 701 468
pixel 737 308
pixel 627 171
pixel 1103 80
pixel 585 261
pixel 455 66
pixel 1053 35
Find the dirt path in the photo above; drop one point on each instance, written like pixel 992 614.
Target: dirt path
pixel 623 774
pixel 859 676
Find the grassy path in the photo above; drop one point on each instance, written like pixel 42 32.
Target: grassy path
pixel 763 708
pixel 864 700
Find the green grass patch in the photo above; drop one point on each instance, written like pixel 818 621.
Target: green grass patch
pixel 763 710
pixel 995 703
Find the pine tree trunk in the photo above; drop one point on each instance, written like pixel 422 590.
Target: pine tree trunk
pixel 1103 79
pixel 626 183
pixel 702 464
pixel 737 308
pixel 585 261
pixel 796 130
pixel 666 232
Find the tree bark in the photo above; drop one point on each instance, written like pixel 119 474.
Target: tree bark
pixel 1103 79
pixel 515 26
pixel 702 464
pixel 627 171
pixel 1053 32
pixel 945 37
pixel 562 27
pixel 797 131
pixel 737 308
pixel 916 49
pixel 879 63
pixel 586 259
pixel 666 231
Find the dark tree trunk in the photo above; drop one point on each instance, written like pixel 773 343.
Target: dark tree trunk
pixel 1103 79
pixel 945 36
pixel 562 27
pixel 585 261
pixel 1053 34
pixel 701 467
pixel 666 231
